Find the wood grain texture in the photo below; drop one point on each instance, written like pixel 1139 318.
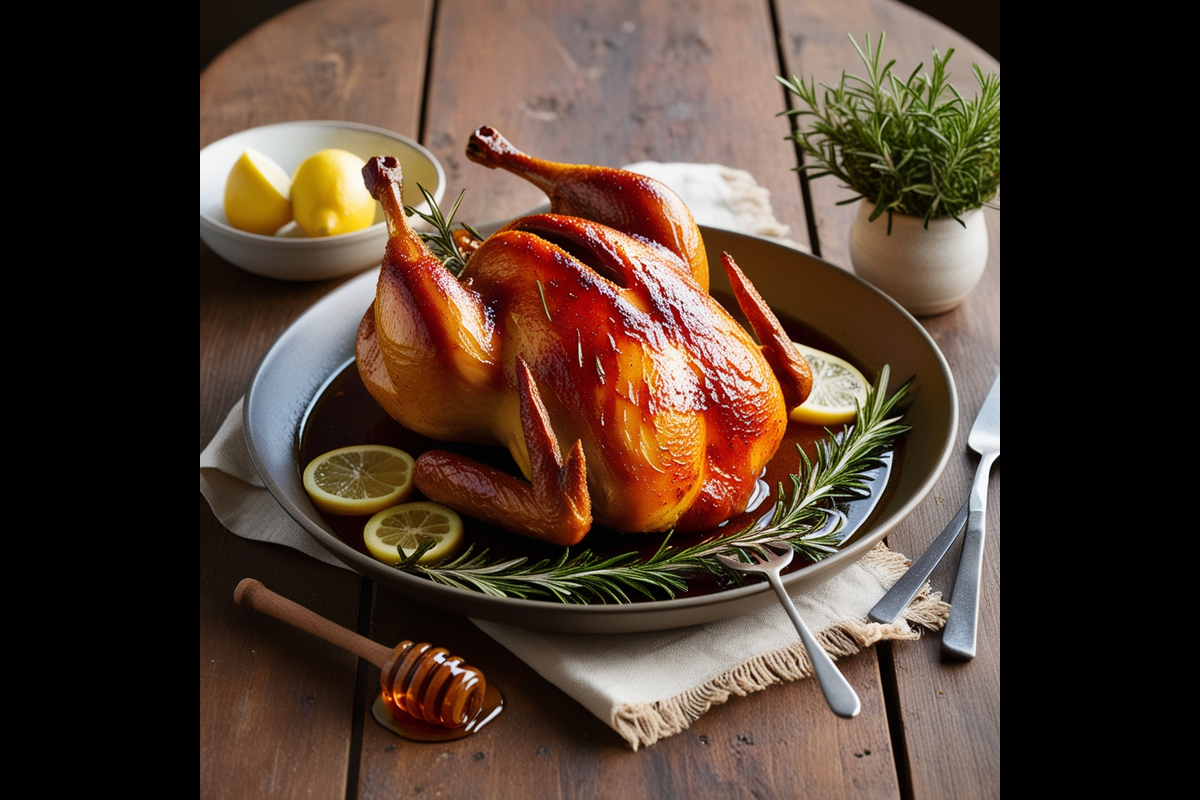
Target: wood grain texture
pixel 609 83
pixel 357 60
pixel 547 745
pixel 282 713
pixel 261 682
pixel 950 711
pixel 277 705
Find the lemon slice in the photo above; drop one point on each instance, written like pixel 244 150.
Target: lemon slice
pixel 256 194
pixel 408 526
pixel 359 480
pixel 836 387
pixel 328 194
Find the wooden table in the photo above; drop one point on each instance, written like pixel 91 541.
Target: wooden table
pixel 284 714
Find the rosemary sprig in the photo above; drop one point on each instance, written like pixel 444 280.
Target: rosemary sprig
pixel 441 241
pixel 912 146
pixel 807 521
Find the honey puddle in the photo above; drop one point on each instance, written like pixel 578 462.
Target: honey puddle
pixel 406 725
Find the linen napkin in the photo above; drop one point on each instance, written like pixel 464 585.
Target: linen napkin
pixel 720 197
pixel 620 678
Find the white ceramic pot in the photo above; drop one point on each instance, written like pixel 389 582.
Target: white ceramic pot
pixel 928 271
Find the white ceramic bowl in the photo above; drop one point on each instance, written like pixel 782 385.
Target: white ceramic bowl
pixel 298 257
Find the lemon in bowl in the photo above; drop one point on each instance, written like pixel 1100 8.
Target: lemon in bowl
pixel 328 195
pixel 257 194
pixel 290 253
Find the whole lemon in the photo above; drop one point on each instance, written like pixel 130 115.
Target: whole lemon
pixel 328 195
pixel 256 194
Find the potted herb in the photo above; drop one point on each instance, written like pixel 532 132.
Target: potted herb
pixel 922 159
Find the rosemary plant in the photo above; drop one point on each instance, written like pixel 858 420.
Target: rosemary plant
pixel 911 146
pixel 441 241
pixel 807 521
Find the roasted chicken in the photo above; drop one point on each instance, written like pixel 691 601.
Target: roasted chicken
pixel 585 342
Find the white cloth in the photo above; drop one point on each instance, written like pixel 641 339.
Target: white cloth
pixel 720 197
pixel 620 678
pixel 240 499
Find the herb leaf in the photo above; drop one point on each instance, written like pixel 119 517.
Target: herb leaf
pixel 911 147
pixel 442 241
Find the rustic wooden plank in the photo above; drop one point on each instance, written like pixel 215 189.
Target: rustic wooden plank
pixel 778 743
pixel 950 712
pixel 277 705
pixel 356 60
pixel 609 83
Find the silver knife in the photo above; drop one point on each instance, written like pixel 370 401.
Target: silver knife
pixel 904 590
pixel 958 639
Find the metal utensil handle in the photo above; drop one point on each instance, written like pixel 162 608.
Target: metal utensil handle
pixel 892 604
pixel 839 694
pixel 958 638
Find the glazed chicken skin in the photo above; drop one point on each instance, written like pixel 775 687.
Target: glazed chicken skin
pixel 638 206
pixel 624 392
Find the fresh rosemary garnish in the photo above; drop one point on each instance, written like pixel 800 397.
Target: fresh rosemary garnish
pixel 911 146
pixel 441 241
pixel 802 521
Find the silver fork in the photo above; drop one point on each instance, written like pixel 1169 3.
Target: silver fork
pixel 958 637
pixel 838 692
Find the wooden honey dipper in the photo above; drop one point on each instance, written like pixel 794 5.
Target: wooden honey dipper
pixel 423 681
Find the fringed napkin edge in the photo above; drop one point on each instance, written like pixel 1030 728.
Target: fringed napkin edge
pixel 643 724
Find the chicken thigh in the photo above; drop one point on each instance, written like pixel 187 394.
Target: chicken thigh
pixel 584 341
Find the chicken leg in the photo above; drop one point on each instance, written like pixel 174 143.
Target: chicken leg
pixel 429 354
pixel 554 505
pixel 428 337
pixel 633 204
